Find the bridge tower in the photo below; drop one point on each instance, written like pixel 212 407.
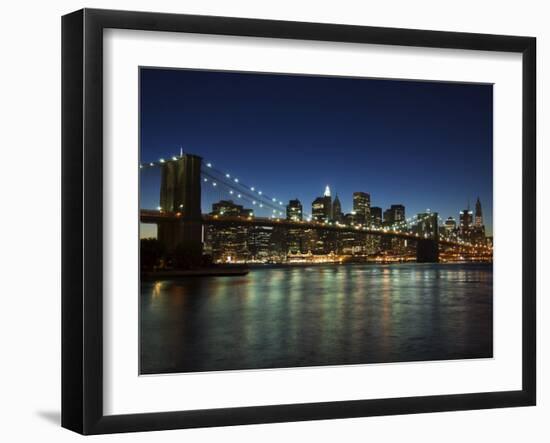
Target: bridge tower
pixel 427 249
pixel 180 193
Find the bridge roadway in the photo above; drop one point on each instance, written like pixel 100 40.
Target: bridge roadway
pixel 156 217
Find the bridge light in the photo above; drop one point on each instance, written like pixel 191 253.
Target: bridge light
pixel 231 192
pixel 161 160
pixel 214 184
pixel 239 195
pixel 174 158
pixel 252 188
pixel 260 192
pixel 261 206
pixel 281 203
pixel 151 164
pixel 209 165
pixel 227 175
pixel 205 179
pixel 253 202
pixel 236 180
pixel 274 199
pixel 159 208
pixel 140 166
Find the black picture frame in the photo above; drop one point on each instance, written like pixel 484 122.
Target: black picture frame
pixel 82 218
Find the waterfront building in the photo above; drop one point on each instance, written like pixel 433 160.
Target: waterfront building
pixel 259 243
pixel 278 245
pixel 228 244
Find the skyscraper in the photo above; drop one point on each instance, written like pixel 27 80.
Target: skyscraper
pixel 321 208
pixel 294 210
pixel 376 216
pixel 479 215
pixel 337 210
pixel 478 231
pixel 398 213
pixel 394 214
pixel 361 207
pixel 228 243
pixel 295 236
pixel 465 224
pixel 450 227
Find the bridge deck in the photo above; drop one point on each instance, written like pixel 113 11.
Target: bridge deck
pixel 155 217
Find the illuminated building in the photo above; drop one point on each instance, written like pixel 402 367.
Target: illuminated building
pixel 294 210
pixel 449 228
pixel 259 243
pixel 295 236
pixel 450 224
pixel 394 214
pixel 465 224
pixel 228 243
pixel 376 216
pixel 361 207
pixel 321 208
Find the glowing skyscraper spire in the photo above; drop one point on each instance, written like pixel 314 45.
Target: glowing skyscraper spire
pixel 327 191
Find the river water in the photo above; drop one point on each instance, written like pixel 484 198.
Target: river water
pixel 317 315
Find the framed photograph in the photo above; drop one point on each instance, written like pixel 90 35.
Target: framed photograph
pixel 269 221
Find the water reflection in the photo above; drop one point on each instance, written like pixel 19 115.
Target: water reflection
pixel 317 315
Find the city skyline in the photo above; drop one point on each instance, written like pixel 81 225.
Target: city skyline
pixel 175 107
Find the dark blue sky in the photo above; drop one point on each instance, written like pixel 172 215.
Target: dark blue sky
pixel 421 144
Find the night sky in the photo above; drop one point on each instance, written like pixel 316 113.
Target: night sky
pixel 420 144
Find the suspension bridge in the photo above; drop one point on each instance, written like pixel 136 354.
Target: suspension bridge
pixel 186 181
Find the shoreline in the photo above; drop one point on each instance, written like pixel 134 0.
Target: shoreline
pixel 244 269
